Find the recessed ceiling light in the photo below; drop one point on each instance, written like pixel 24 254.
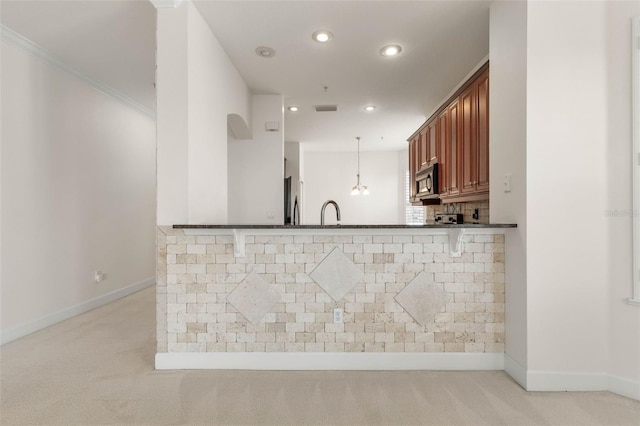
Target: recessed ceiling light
pixel 391 50
pixel 265 52
pixel 293 108
pixel 370 108
pixel 322 36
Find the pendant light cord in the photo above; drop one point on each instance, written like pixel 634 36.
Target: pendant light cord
pixel 359 189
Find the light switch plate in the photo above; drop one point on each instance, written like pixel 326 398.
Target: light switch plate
pixel 507 183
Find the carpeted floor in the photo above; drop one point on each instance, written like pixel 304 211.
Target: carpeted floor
pixel 97 368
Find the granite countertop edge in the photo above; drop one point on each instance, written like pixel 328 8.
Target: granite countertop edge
pixel 464 225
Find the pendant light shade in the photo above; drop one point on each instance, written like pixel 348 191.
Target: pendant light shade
pixel 359 189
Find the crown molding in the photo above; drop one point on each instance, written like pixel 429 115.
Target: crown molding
pixel 11 37
pixel 166 4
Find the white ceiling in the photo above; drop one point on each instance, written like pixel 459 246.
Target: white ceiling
pixel 114 42
pixel 442 41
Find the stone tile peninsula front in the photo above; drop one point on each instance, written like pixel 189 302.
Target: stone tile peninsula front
pixel 265 297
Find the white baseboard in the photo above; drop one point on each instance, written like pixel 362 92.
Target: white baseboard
pixel 625 387
pixel 553 381
pixel 558 381
pixel 328 361
pixel 561 381
pixel 48 320
pixel 515 370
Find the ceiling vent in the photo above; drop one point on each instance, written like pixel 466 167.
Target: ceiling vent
pixel 325 108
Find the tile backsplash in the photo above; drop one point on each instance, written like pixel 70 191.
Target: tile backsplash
pixel 467 209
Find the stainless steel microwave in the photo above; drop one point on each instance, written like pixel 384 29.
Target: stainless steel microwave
pixel 427 182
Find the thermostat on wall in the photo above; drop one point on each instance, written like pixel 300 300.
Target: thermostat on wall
pixel 272 126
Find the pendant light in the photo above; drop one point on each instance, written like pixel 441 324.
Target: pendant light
pixel 359 189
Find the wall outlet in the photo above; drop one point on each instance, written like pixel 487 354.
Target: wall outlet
pixel 98 276
pixel 338 317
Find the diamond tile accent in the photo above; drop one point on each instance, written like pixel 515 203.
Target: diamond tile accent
pixel 336 274
pixel 253 298
pixel 422 298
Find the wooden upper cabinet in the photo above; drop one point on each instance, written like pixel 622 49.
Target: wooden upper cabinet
pixel 452 148
pixel 457 138
pixel 423 148
pixel 442 143
pixel 468 141
pixel 482 85
pixel 416 154
pixel 412 167
pixel 474 137
pixel 432 143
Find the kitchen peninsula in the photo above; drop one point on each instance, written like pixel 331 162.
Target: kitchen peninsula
pixel 331 297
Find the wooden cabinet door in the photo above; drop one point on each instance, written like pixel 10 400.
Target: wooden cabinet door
pixel 423 148
pixel 452 147
pixel 412 168
pixel 441 143
pixel 482 85
pixel 432 142
pixel 468 141
pixel 416 154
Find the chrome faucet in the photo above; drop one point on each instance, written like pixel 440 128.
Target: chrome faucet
pixel 324 206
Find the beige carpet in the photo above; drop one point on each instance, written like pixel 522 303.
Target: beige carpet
pixel 98 369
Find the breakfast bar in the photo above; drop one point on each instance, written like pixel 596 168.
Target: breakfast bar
pixel 331 297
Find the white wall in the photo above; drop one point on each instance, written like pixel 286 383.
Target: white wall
pixel 508 138
pixel 292 153
pixel 78 193
pixel 171 115
pixel 256 168
pixel 624 326
pixel 302 188
pixel 331 175
pixel 215 90
pixel 573 326
pixel 403 168
pixel 567 260
pixel 198 87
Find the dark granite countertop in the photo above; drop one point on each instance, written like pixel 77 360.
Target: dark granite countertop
pixel 465 225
